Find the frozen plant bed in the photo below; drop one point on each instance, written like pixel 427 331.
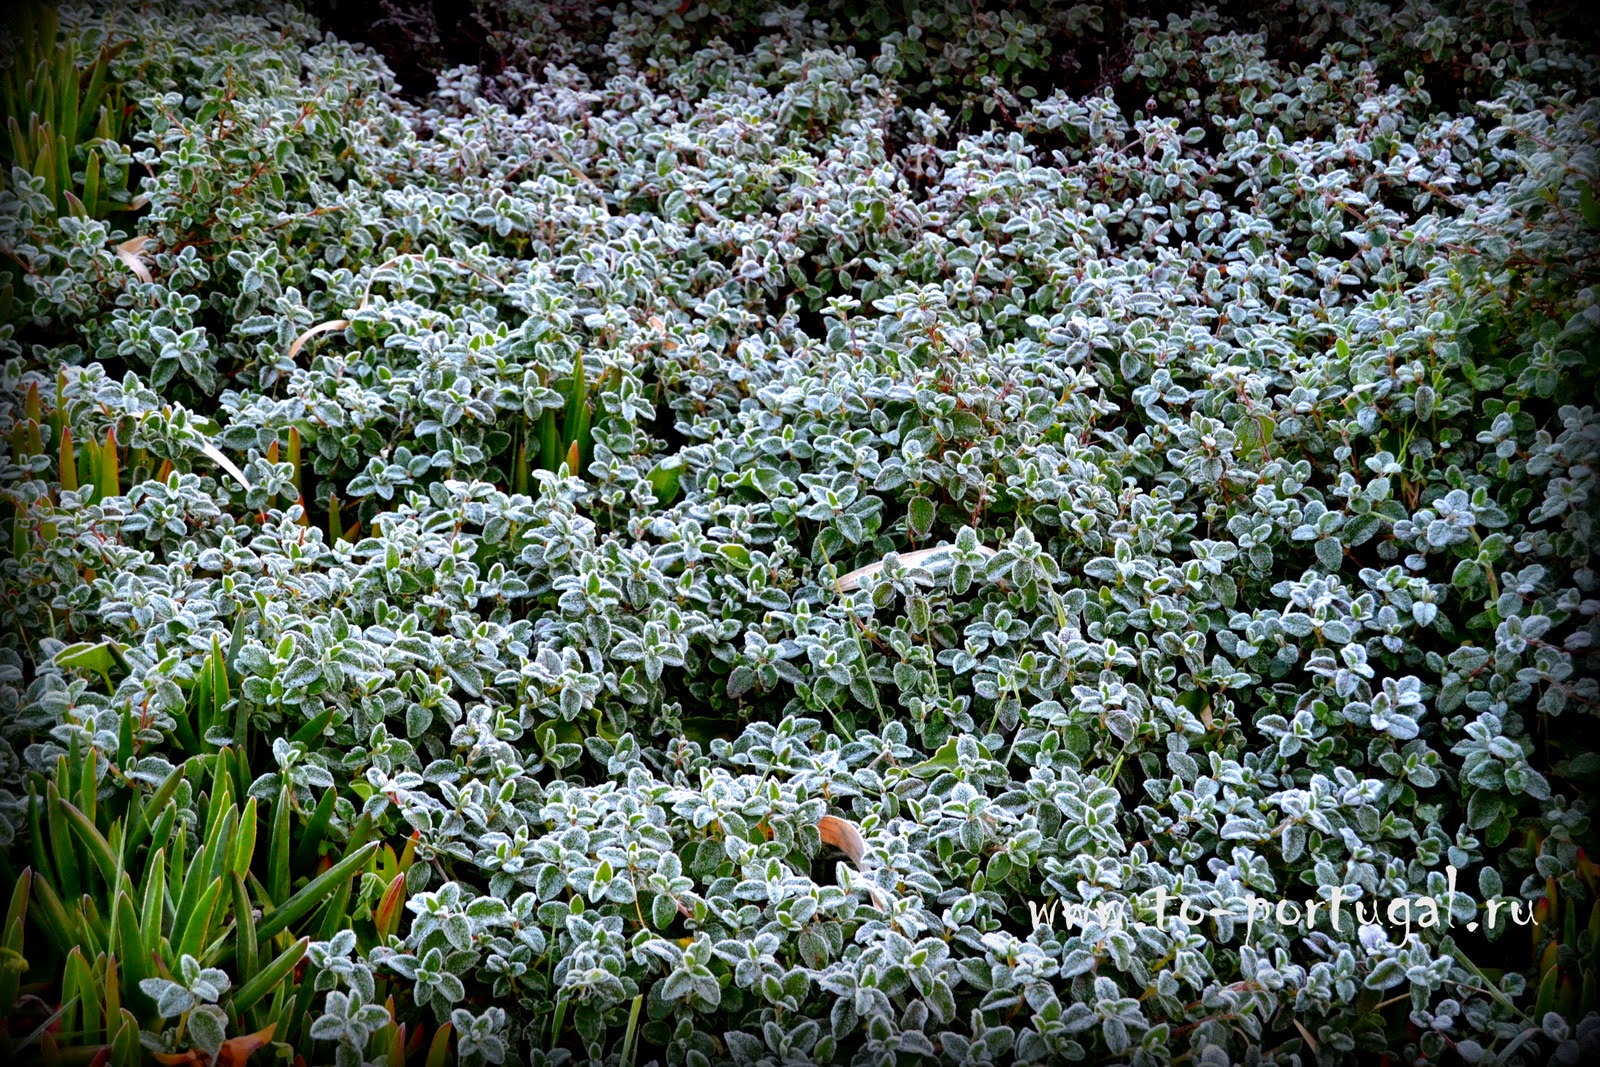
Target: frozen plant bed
pixel 750 537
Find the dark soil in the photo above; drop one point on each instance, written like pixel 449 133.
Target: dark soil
pixel 421 38
pixel 417 38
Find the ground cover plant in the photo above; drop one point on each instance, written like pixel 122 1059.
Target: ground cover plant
pixel 469 593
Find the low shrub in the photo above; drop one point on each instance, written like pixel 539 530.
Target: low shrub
pixel 430 521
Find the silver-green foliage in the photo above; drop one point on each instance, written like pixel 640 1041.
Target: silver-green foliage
pixel 1263 392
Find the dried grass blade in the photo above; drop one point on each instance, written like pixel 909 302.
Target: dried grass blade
pixel 128 251
pixel 322 327
pixel 216 456
pixel 852 581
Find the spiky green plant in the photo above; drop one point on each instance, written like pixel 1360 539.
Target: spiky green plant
pixel 61 108
pixel 58 103
pixel 115 901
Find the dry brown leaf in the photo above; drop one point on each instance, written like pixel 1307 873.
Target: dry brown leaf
pixel 843 835
pixel 1311 1042
pixel 321 327
pixel 852 580
pixel 667 343
pixel 128 251
pixel 235 1051
pixel 366 297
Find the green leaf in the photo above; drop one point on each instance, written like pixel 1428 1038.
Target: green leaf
pixel 195 934
pixel 1255 433
pixel 1589 207
pixel 110 480
pixel 943 760
pixel 305 853
pixel 62 848
pixel 919 516
pixel 267 979
pixel 1483 807
pixel 665 480
pixel 1330 553
pixel 1386 974
pixel 314 891
pixel 1360 528
pixel 134 946
pixel 90 656
pixel 244 929
pixel 94 842
pixel 311 733
pixel 278 873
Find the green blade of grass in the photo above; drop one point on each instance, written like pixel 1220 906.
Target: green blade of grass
pixel 158 799
pixel 314 891
pixel 310 734
pixel 78 988
pixel 21 146
pixel 153 902
pixel 62 846
pixel 58 924
pixel 335 526
pixel 110 979
pixel 305 853
pixel 439 1048
pixel 278 850
pixel 267 979
pixel 12 937
pixel 244 847
pixel 549 441
pixel 125 1048
pixel 134 946
pixel 16 913
pixel 244 929
pixel 41 859
pixel 577 398
pixel 69 91
pixel 196 931
pixel 110 482
pixel 99 849
pixel 93 96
